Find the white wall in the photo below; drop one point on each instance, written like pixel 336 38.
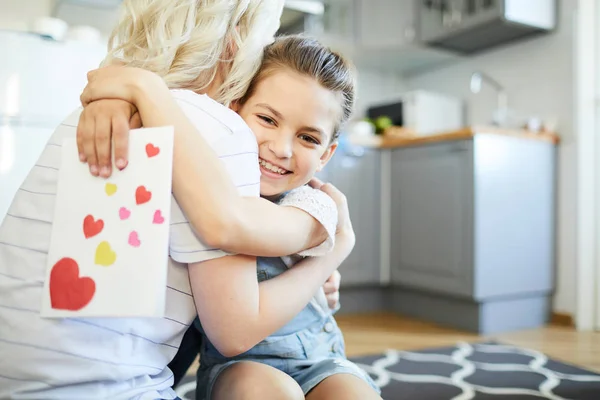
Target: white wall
pixel 539 78
pixel 375 87
pixel 19 14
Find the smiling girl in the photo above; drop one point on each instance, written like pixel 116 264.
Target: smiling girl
pixel 295 105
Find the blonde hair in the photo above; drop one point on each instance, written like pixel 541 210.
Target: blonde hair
pixel 309 57
pixel 184 41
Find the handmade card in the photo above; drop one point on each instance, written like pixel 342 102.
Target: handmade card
pixel 110 237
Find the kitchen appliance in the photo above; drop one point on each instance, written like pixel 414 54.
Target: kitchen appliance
pixel 469 26
pixel 40 84
pixel 423 112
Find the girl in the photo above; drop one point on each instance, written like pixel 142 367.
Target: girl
pixel 295 105
pixel 124 358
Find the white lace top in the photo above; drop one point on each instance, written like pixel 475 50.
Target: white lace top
pixel 319 205
pixel 322 207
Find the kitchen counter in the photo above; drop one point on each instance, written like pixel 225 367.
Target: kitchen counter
pixel 406 139
pixel 456 228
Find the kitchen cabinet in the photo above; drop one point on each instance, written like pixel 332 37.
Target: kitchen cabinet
pixel 337 25
pixel 471 227
pixel 385 24
pixel 357 176
pixel 432 214
pixel 377 34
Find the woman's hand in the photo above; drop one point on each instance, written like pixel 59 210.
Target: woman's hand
pixel 100 123
pixel 119 82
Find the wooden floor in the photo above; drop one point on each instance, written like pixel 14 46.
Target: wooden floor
pixel 373 333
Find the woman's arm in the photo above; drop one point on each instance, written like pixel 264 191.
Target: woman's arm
pixel 237 313
pixel 201 184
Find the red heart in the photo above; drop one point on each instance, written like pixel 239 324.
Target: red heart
pixel 152 150
pixel 91 227
pixel 67 290
pixel 142 195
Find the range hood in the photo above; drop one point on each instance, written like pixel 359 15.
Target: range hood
pixel 470 26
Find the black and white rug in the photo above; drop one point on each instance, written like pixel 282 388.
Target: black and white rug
pixel 478 371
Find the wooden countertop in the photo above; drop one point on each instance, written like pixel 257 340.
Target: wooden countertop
pixel 398 137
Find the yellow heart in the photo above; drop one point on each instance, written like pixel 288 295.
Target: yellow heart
pixel 110 188
pixel 104 255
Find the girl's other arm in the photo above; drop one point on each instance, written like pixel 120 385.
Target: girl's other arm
pixel 237 312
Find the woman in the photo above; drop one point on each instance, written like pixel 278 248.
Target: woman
pixel 127 357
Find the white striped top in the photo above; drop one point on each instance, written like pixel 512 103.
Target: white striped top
pixel 102 358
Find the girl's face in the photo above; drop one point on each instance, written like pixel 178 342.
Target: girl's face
pixel 293 118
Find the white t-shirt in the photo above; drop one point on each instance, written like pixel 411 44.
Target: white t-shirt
pixel 102 358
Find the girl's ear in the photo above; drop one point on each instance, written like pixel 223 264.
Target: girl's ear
pixel 235 105
pixel 327 156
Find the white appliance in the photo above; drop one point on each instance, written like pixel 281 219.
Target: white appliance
pixel 40 84
pixel 424 112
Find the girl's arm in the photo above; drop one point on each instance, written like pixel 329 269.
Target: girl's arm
pixel 201 184
pixel 237 312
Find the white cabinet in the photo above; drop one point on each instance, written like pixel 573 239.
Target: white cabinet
pixel 337 25
pixel 367 24
pixel 377 34
pixel 385 24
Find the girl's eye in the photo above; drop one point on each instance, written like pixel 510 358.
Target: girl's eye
pixel 268 120
pixel 309 139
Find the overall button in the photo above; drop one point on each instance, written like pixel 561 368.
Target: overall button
pixel 336 347
pixel 328 327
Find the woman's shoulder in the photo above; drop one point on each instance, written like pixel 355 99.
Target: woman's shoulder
pixel 200 108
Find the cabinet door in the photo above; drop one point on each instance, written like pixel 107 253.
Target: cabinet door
pixel 358 178
pixel 385 23
pixel 432 217
pixel 337 26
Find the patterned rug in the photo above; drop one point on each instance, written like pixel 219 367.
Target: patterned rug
pixel 479 371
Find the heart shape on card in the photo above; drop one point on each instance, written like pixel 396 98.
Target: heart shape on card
pixel 152 150
pixel 142 195
pixel 134 239
pixel 69 291
pixel 110 189
pixel 124 213
pixel 158 218
pixel 105 255
pixel 92 227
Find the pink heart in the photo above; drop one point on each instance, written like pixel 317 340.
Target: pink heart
pixel 134 240
pixel 124 213
pixel 158 218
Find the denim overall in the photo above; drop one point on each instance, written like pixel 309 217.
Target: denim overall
pixel 309 348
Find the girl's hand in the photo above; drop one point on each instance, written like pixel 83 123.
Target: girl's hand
pixel 100 123
pixel 104 121
pixel 332 289
pixel 344 224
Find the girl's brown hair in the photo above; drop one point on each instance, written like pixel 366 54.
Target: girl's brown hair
pixel 309 57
